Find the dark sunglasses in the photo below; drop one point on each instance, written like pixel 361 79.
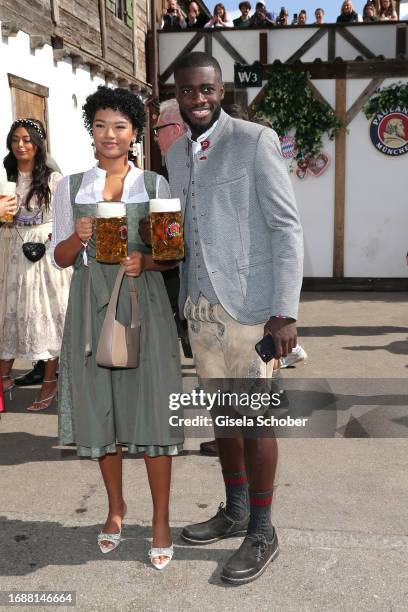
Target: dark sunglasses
pixel 160 127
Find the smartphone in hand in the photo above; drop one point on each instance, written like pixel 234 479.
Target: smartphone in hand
pixel 266 348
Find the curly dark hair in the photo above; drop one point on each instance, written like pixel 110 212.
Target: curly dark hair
pixel 41 172
pixel 122 100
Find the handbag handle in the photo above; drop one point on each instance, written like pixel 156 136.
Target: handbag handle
pixel 113 302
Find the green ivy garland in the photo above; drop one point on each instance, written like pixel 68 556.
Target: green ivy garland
pixel 387 98
pixel 290 104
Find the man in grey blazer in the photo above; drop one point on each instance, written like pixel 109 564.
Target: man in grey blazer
pixel 241 279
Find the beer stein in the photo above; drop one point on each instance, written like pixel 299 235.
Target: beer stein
pixel 7 189
pixel 111 232
pixel 166 229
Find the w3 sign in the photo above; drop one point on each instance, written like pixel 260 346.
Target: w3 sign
pixel 247 76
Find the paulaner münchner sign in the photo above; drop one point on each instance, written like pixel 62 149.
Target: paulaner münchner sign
pixel 389 131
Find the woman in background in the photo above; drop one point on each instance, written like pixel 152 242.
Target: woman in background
pixel 34 295
pixel 387 11
pixel 220 18
pixel 348 14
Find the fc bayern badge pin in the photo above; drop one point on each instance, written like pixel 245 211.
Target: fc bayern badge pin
pixel 389 131
pixel 288 147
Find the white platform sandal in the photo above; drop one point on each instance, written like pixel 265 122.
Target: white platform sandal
pixel 113 538
pixel 156 553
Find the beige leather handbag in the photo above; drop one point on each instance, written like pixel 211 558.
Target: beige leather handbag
pixel 118 345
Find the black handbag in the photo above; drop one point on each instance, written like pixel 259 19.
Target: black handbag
pixel 33 250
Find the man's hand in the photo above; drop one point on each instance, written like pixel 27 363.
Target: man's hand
pixel 134 264
pixel 144 230
pixel 284 334
pixel 84 228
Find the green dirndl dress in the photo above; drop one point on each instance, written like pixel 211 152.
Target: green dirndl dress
pixel 101 407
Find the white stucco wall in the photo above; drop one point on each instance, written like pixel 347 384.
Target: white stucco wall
pixel 376 212
pixel 70 144
pixel 376 207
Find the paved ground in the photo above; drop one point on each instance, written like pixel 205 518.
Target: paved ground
pixel 340 505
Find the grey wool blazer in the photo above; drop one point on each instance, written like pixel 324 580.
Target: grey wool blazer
pixel 247 219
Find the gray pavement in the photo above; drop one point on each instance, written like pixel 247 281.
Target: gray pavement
pixel 340 505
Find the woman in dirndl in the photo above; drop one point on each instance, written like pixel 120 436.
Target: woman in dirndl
pixel 103 409
pixel 34 295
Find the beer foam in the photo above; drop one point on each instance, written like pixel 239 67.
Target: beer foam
pixel 7 188
pixel 108 210
pixel 165 205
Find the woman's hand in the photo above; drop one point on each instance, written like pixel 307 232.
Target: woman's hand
pixel 84 228
pixel 134 264
pixel 8 205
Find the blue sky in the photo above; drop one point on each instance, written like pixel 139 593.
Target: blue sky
pixel 331 8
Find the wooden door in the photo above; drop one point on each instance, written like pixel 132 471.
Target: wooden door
pixel 28 99
pixel 27 104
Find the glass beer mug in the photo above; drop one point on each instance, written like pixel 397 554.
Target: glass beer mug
pixel 166 229
pixel 7 189
pixel 111 232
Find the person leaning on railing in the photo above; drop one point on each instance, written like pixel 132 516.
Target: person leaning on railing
pixel 369 15
pixel 173 17
pixel 319 16
pixel 283 17
pixel 194 18
pixel 387 11
pixel 244 20
pixel 348 14
pixel 220 18
pixel 262 18
pixel 302 18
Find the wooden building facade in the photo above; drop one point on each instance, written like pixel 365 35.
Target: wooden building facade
pixel 53 53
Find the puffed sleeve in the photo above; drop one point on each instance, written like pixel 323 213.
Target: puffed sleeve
pixel 62 217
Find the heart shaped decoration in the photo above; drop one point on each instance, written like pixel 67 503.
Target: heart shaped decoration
pixel 318 165
pixel 301 173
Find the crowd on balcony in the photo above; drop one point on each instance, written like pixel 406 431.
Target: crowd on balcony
pixel 177 18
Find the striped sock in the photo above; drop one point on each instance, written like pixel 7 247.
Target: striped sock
pixel 236 490
pixel 260 517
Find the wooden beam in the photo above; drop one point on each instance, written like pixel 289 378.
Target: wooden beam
pixel 354 42
pixel 55 16
pixel 38 42
pixel 365 69
pixel 102 21
pixel 263 47
pixel 20 83
pixel 154 51
pixel 192 43
pixel 307 45
pixel 318 95
pixel 362 99
pixel 331 45
pixel 401 40
pixel 237 57
pixel 258 98
pixel 77 60
pixel 95 69
pixel 339 182
pixel 10 29
pixel 135 39
pixel 208 43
